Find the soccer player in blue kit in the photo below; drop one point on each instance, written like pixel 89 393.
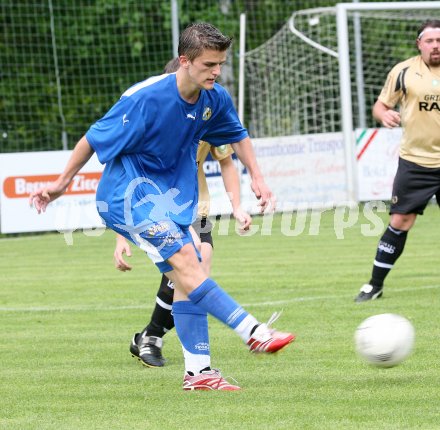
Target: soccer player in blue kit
pixel 148 191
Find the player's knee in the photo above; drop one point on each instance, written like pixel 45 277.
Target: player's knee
pixel 403 221
pixel 185 260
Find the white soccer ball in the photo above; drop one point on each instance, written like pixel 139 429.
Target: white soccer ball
pixel 384 340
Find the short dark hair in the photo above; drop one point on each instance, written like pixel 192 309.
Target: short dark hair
pixel 172 66
pixel 200 36
pixel 429 23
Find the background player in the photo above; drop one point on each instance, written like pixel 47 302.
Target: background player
pixel 414 84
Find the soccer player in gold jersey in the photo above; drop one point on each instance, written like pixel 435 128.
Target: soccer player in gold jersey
pixel 413 84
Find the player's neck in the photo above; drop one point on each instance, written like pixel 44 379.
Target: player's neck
pixel 190 96
pixel 187 90
pixel 435 70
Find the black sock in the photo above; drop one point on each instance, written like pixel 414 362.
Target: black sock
pixel 389 249
pixel 162 320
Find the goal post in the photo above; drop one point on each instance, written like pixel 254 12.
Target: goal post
pixel 342 11
pixel 322 72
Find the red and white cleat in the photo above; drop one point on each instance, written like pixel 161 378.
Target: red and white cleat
pixel 268 340
pixel 208 380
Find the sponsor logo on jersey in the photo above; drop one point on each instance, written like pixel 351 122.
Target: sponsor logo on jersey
pixel 431 101
pixel 429 106
pixel 207 113
pixel 124 119
pixel 191 116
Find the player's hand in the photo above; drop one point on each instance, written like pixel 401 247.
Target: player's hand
pixel 264 194
pixel 43 196
pixel 122 247
pixel 391 119
pixel 243 218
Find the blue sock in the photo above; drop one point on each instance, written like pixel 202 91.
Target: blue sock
pixel 210 297
pixel 191 324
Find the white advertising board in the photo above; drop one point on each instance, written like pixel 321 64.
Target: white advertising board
pixel 302 171
pixel 377 152
pixel 22 173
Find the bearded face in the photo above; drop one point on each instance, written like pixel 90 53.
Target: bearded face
pixel 429 46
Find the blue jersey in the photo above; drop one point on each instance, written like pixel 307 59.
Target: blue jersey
pixel 148 141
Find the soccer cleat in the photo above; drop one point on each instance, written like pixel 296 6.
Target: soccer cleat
pixel 147 349
pixel 369 292
pixel 266 339
pixel 208 380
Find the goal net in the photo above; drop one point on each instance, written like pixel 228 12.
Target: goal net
pixel 320 76
pixel 293 79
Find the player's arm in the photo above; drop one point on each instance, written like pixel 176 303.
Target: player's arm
pixel 80 155
pixel 245 153
pixel 388 117
pixel 232 187
pixel 122 247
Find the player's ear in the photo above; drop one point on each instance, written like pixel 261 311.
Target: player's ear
pixel 417 44
pixel 184 62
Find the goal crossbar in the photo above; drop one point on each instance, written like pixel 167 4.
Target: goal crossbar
pixel 354 7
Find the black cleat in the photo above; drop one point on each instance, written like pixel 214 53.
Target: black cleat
pixel 147 349
pixel 369 292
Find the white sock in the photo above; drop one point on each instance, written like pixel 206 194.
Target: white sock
pixel 196 362
pixel 244 328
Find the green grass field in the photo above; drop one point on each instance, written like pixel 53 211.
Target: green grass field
pixel 67 317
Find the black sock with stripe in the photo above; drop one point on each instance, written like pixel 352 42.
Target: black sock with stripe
pixel 389 249
pixel 162 320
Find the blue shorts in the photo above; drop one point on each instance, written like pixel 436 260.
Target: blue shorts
pixel 146 225
pixel 160 240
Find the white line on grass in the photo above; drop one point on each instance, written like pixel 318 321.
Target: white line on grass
pixel 83 308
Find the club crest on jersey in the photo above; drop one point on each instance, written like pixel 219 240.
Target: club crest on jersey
pixel 207 113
